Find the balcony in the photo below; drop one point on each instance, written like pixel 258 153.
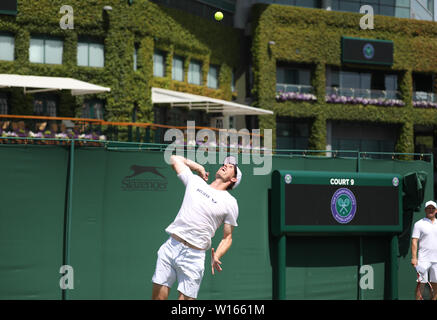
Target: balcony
pixel 424 99
pixel 294 92
pixel 363 96
pixel 296 88
pixel 363 93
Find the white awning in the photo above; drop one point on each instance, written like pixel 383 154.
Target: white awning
pixel 46 84
pixel 210 105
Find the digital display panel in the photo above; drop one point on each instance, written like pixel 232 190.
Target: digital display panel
pixel 367 51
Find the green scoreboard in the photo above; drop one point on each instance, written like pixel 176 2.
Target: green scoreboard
pixel 327 202
pixel 367 51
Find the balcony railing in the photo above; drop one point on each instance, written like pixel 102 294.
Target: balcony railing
pixel 363 93
pixel 424 99
pixel 424 96
pixel 24 129
pixel 296 88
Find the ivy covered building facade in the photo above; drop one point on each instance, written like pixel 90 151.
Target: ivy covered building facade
pixel 285 58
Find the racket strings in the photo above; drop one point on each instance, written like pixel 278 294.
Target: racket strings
pixel 426 291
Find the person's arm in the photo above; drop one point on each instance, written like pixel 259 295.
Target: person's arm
pixel 223 246
pixel 414 242
pixel 179 164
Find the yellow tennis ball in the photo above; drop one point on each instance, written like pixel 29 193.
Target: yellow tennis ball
pixel 218 16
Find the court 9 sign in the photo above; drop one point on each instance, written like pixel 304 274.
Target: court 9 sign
pixel 305 201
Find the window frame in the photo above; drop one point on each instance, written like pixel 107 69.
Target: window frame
pixel 12 36
pixel 45 97
pixel 176 57
pixel 217 67
pixel 5 96
pixel 162 53
pixel 91 103
pixel 45 38
pixel 194 62
pixel 89 42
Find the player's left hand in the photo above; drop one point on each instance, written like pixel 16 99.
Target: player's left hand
pixel 215 263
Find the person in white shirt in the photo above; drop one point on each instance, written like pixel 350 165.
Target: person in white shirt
pixel 204 209
pixel 424 238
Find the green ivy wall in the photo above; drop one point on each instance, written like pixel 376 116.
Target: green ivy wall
pixel 301 35
pixel 143 24
pixel 313 36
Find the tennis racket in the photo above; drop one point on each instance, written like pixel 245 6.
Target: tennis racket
pixel 424 289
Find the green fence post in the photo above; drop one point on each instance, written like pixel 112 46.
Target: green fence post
pixel 394 267
pixel 282 254
pixel 279 275
pixel 69 208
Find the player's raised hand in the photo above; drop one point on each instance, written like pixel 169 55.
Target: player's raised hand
pixel 203 174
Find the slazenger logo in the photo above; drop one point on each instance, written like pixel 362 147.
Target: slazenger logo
pixel 144 178
pixel 343 205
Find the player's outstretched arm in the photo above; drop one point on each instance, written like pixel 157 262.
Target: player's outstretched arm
pixel 179 164
pixel 223 246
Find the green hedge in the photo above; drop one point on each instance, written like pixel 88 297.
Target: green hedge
pixel 313 36
pixel 143 23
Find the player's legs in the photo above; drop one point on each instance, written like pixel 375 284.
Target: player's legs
pixel 184 297
pixel 165 273
pixel 433 279
pixel 160 292
pixel 190 268
pixel 422 269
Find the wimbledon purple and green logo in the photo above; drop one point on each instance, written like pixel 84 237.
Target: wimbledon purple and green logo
pixel 368 51
pixel 343 205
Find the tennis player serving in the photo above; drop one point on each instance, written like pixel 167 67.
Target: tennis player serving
pixel 204 209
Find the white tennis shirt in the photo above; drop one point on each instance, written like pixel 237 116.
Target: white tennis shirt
pixel 203 211
pixel 426 232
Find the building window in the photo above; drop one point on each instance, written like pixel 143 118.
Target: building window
pixel 293 79
pixel 422 9
pixel 45 50
pixel 159 64
pixel 213 77
pixel 400 8
pixel 7 47
pixel 292 133
pixel 363 137
pixel 195 72
pixel 423 85
pixel 177 72
pixel 358 84
pixel 93 109
pixel 3 103
pixel 45 105
pixel 90 54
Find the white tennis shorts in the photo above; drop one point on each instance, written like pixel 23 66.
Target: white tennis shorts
pixel 425 268
pixel 177 261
